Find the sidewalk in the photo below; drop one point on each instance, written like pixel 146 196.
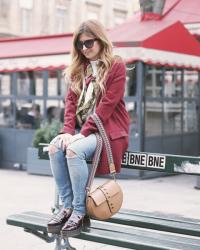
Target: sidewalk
pixel 22 192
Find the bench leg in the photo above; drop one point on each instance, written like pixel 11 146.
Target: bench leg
pixel 63 244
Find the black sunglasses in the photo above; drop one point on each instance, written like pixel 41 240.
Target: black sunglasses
pixel 87 43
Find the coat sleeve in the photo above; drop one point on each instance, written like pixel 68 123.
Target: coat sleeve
pixel 70 113
pixel 114 93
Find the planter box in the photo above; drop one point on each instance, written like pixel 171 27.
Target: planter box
pixel 35 165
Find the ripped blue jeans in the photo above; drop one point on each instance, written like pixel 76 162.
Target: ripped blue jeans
pixel 71 173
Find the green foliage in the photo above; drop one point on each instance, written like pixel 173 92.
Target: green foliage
pixel 46 133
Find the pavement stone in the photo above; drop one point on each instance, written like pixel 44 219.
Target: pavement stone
pixel 21 192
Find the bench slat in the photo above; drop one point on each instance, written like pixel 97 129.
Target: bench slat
pixel 28 221
pixel 148 233
pixel 36 216
pixel 141 239
pixel 158 221
pixel 160 215
pixel 115 234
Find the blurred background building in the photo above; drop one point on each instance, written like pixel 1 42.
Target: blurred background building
pixel 41 17
pixel 159 42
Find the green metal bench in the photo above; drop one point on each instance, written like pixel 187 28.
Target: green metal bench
pixel 129 228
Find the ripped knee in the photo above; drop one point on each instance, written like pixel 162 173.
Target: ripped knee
pixel 70 153
pixel 52 149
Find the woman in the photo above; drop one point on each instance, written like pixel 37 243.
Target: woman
pixel 97 82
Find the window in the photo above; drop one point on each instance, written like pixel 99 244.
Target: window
pixel 61 14
pixel 30 83
pixel 190 116
pixel 131 107
pixel 5 83
pixel 172 107
pixel 171 101
pixel 93 10
pixel 26 15
pixel 29 110
pixel 23 84
pixel 119 16
pixel 38 83
pixel 55 110
pixel 7 105
pixel 56 84
pixel 153 81
pixel 172 117
pixel 151 6
pixel 6 113
pixel 4 5
pixel 25 20
pixel 173 83
pixel 153 118
pixel 29 113
pixel 146 5
pixel 191 88
pixel 30 98
pixel 130 88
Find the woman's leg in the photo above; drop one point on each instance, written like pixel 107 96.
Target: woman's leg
pixel 77 154
pixel 60 173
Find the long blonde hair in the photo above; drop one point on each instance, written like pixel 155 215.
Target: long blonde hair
pixel 75 72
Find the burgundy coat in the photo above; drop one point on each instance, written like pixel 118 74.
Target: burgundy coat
pixel 111 110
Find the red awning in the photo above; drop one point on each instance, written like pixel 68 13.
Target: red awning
pixel 35 46
pixel 48 62
pixel 35 53
pixel 164 35
pixel 185 11
pixel 164 42
pixel 133 32
pixel 157 42
pixel 174 38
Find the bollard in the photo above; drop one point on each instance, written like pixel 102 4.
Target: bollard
pixel 198 183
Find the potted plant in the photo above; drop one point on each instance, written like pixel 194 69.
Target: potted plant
pixel 42 135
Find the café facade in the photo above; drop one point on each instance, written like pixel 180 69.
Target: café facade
pixel 162 89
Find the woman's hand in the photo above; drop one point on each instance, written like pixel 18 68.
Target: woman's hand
pixel 76 137
pixel 64 140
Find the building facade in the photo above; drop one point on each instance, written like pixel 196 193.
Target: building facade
pixel 36 17
pixel 162 89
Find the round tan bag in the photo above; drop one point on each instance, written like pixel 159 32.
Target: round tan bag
pixel 105 200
